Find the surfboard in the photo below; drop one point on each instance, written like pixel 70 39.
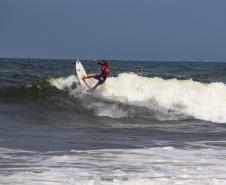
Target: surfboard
pixel 81 73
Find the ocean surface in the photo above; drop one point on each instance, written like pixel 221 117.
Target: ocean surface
pixel 151 123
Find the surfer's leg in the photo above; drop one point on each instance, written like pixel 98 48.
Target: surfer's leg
pixel 89 76
pixel 95 87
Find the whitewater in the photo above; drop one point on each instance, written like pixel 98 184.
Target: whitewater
pixel 204 101
pixel 156 166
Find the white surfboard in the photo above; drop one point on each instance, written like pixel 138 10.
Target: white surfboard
pixel 81 73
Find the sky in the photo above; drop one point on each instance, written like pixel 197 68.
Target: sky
pixel 169 30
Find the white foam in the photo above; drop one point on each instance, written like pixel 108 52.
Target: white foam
pixel 152 166
pixel 63 82
pixel 199 100
pixel 109 110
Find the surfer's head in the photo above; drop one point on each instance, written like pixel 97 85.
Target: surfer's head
pixel 105 62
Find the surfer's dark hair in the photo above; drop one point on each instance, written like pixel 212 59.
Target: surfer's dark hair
pixel 106 63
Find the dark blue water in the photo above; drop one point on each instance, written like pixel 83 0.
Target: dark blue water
pixel 38 116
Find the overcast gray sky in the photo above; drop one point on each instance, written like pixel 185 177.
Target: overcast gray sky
pixel 114 29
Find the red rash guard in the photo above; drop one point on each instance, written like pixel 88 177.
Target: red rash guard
pixel 105 71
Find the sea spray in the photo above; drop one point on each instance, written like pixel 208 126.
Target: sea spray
pixel 205 101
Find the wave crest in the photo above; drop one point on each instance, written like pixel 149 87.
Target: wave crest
pixel 200 100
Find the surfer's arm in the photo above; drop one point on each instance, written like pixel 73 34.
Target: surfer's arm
pixel 96 62
pixel 100 63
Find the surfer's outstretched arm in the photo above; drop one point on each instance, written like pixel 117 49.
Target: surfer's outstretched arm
pixel 98 62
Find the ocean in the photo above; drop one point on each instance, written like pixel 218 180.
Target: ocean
pixel 151 123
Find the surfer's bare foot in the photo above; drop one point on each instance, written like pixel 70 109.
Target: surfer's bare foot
pixel 83 78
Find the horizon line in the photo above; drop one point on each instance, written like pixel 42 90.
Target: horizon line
pixel 123 60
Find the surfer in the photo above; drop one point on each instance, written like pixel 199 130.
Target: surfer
pixel 105 70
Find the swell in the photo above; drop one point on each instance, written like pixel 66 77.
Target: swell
pixel 34 91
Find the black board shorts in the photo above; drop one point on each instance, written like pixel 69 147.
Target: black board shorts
pixel 100 79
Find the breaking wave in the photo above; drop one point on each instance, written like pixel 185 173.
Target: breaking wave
pixel 204 101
